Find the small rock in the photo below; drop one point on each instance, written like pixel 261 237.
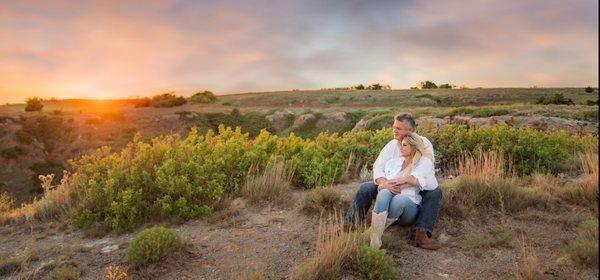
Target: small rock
pixel 444 238
pixel 108 249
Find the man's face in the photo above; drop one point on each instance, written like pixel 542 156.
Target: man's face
pixel 400 130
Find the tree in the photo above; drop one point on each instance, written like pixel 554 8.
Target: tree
pixel 446 86
pixel 589 89
pixel 378 86
pixel 203 97
pixel 359 87
pixel 427 84
pixel 34 104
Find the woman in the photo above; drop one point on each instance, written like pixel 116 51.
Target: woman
pixel 412 171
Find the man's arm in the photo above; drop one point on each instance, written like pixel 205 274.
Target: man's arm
pixel 379 166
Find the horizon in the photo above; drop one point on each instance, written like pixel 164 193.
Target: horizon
pixel 110 50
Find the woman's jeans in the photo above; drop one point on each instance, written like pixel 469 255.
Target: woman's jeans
pixel 398 206
pixel 430 205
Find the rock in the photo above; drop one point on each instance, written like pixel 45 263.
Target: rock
pixel 443 238
pixel 301 120
pixel 279 119
pixel 108 249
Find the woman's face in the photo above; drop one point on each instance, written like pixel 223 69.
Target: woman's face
pixel 405 149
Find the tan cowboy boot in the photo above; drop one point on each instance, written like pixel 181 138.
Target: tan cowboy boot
pixel 423 241
pixel 378 222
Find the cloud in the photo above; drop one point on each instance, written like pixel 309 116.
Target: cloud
pixel 118 49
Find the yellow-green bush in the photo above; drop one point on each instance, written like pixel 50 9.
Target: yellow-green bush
pixel 371 263
pixel 152 244
pixel 182 178
pixel 526 149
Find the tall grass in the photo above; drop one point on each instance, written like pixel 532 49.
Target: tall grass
pixel 585 191
pixel 527 268
pixel 334 251
pixel 584 248
pixel 54 203
pixel 487 181
pixel 272 185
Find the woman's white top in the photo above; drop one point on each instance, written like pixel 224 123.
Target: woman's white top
pixel 392 151
pixel 424 172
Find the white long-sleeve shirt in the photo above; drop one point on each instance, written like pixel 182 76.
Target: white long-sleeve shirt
pixel 423 172
pixel 392 151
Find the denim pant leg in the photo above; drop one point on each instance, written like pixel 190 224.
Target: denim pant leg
pixel 430 206
pixel 382 203
pixel 361 202
pixel 403 209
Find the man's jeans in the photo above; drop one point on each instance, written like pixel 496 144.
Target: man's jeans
pixel 430 205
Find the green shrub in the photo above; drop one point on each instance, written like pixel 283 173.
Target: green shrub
pixel 445 86
pixel 65 272
pixel 371 263
pixel 591 102
pixel 589 89
pixel 167 100
pixel 152 244
pixel 34 104
pixel 461 111
pixel 429 96
pixel 558 99
pixel 490 112
pixel 332 99
pixel 527 149
pixel 203 97
pixel 50 131
pixel 427 85
pixel 584 248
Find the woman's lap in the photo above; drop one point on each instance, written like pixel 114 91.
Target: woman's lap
pixel 398 207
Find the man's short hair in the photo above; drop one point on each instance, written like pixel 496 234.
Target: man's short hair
pixel 406 119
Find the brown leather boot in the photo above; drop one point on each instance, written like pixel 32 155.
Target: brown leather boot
pixel 423 241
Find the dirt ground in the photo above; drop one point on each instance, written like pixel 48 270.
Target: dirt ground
pixel 240 239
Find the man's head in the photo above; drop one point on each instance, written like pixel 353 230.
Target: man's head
pixel 403 124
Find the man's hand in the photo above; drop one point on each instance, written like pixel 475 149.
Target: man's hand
pixel 399 187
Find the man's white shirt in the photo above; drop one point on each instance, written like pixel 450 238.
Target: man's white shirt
pixel 424 172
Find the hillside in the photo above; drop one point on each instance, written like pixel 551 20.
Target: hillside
pixel 256 203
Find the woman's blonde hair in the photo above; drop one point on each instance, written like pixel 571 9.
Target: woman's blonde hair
pixel 418 150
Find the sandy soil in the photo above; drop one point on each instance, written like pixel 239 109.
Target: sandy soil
pixel 242 238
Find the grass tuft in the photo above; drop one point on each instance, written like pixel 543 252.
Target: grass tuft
pixel 152 244
pixel 322 200
pixel 272 185
pixel 584 248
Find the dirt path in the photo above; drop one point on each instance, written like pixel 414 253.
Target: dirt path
pixel 240 239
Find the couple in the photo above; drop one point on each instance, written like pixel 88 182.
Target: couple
pixel 405 187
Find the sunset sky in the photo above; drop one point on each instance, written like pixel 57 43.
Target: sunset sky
pixel 108 49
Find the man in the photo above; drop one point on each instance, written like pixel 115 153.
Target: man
pixel 430 204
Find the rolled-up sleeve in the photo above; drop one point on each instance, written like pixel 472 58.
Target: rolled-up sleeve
pixel 424 172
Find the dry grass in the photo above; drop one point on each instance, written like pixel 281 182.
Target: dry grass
pixel 322 200
pixel 584 248
pixel 335 249
pixel 6 202
pixel 273 185
pixel 585 191
pixel 54 203
pixel 486 181
pixel 528 266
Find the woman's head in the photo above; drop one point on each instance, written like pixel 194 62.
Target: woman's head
pixel 412 146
